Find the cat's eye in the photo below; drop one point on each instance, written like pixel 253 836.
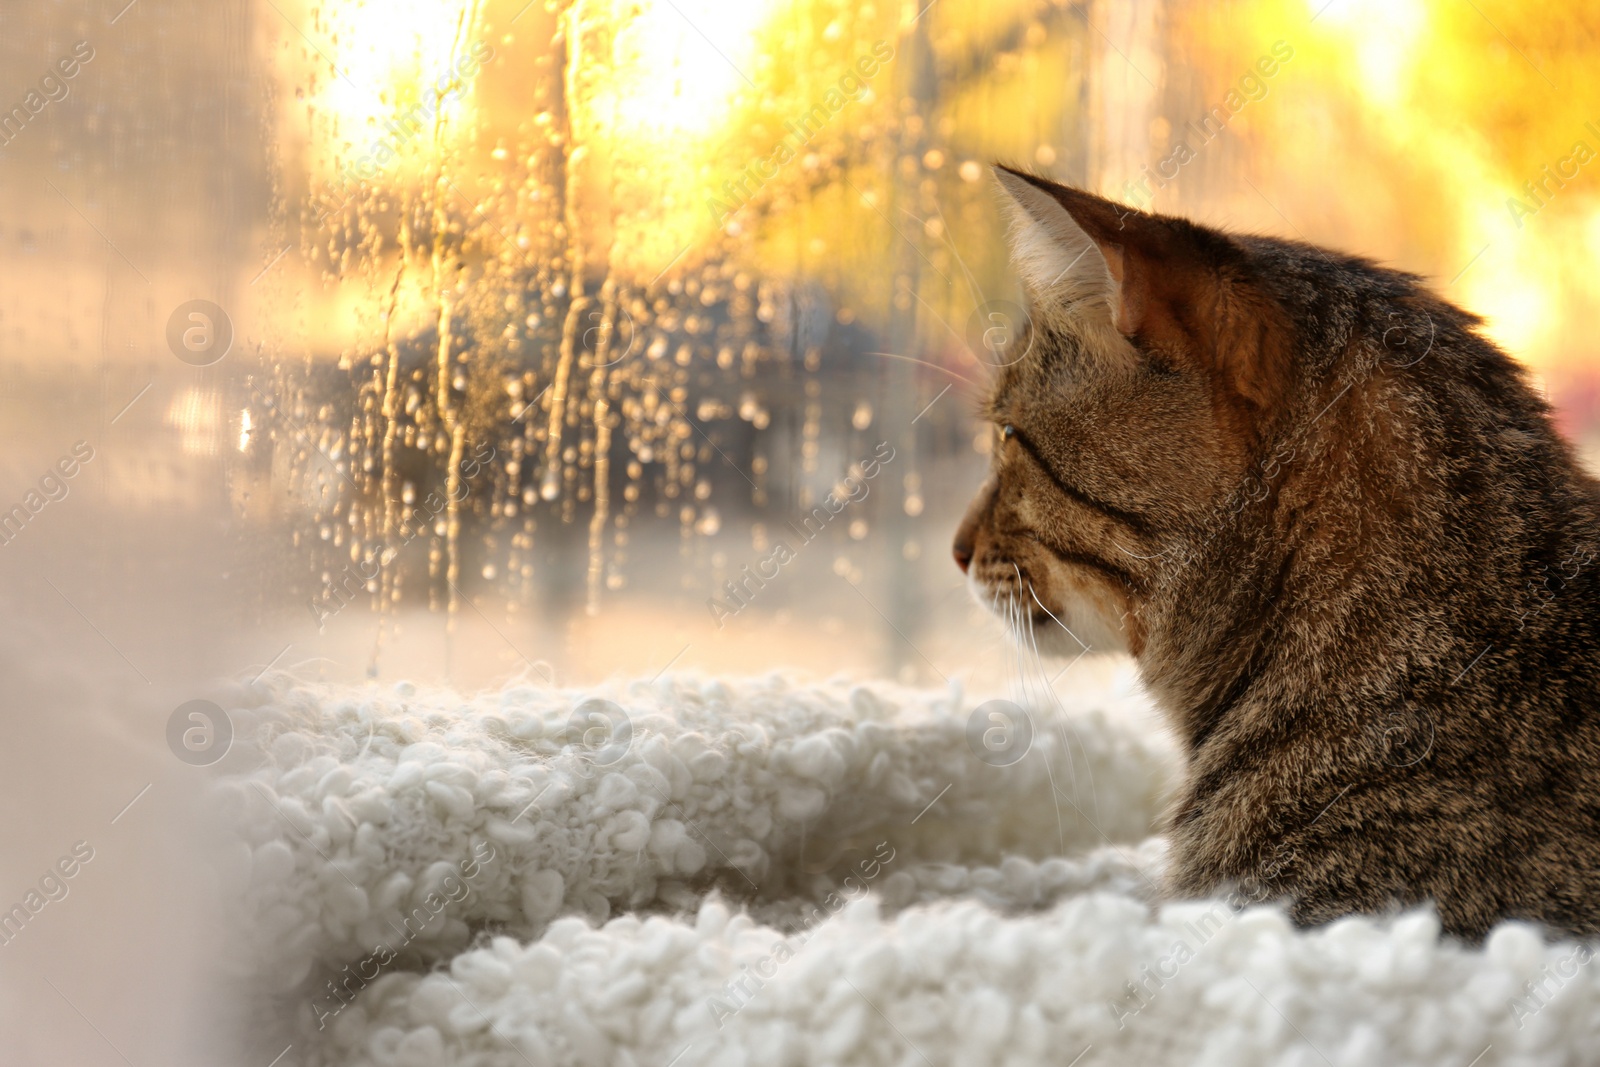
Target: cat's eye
pixel 1007 432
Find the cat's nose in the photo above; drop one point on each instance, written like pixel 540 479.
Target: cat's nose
pixel 962 550
pixel 965 545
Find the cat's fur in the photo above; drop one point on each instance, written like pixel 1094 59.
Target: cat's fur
pixel 1357 567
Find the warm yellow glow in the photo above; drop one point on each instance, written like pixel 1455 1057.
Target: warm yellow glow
pixel 666 89
pixel 1417 132
pixel 1383 36
pixel 1400 129
pixel 400 77
pixel 677 68
pixel 1511 285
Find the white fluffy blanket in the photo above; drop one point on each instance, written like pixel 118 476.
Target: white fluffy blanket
pixel 771 872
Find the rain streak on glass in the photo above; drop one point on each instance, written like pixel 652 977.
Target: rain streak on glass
pixel 565 274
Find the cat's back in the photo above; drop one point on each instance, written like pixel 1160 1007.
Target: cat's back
pixel 1427 715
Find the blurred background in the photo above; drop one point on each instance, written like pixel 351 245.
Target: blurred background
pixel 458 340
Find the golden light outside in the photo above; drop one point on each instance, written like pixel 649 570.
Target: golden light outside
pixel 1449 139
pixel 607 207
pixel 666 103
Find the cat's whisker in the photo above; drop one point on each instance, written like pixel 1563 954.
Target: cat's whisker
pixel 973 289
pixel 1013 682
pixel 953 333
pixel 1084 644
pixel 1072 769
pixel 1020 651
pixel 1028 651
pixel 943 321
pixel 1061 717
pixel 925 363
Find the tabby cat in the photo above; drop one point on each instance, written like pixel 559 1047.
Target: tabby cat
pixel 1335 528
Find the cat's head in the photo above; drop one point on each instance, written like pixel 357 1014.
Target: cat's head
pixel 1147 374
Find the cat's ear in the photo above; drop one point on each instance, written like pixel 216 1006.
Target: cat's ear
pixel 1179 291
pixel 1068 247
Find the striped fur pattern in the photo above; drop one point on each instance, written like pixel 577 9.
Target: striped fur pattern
pixel 1357 567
